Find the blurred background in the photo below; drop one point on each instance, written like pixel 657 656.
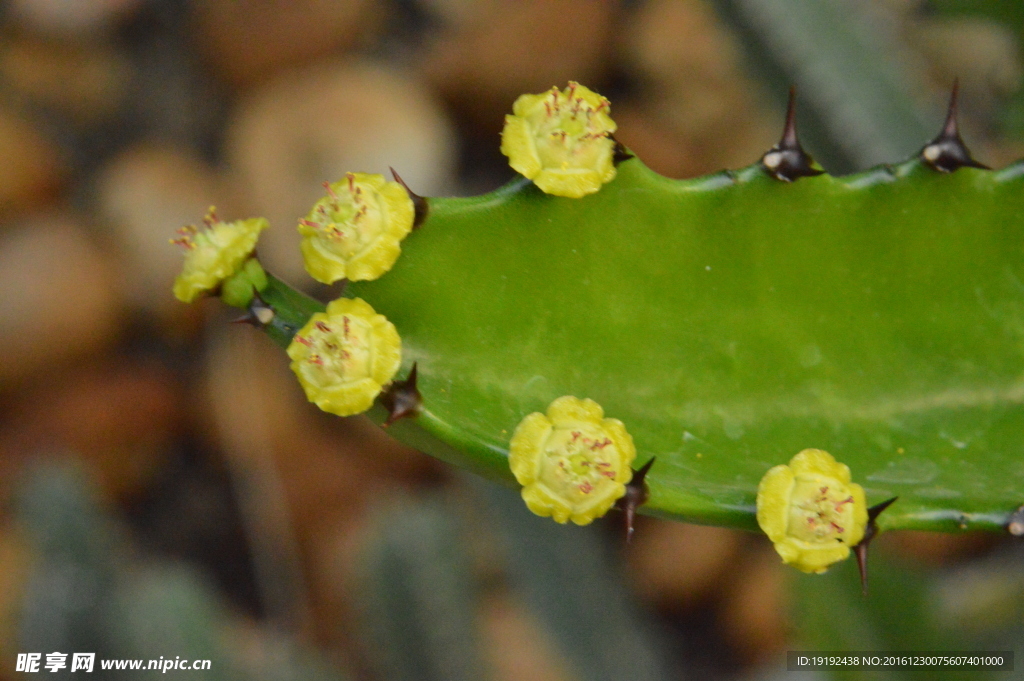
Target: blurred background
pixel 166 490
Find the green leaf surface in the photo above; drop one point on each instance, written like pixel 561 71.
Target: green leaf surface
pixel 731 321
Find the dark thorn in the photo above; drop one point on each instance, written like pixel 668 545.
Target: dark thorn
pixel 402 399
pixel 861 549
pixel 258 314
pixel 619 152
pixel 635 497
pixel 787 160
pixel 419 203
pixel 947 152
pixel 1016 524
pixel 877 509
pixel 861 552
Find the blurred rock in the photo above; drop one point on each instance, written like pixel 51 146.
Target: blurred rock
pixel 313 126
pixel 695 87
pixel 305 478
pixel 246 41
pixel 252 389
pixel 85 82
pixel 119 416
pixel 516 645
pixel 266 653
pixel 492 51
pixel 145 194
pixel 979 597
pixel 64 18
pixel 32 170
pixel 934 549
pixel 674 564
pixel 983 54
pixel 61 299
pixel 985 57
pixel 754 614
pixel 665 36
pixel 332 585
pixel 656 142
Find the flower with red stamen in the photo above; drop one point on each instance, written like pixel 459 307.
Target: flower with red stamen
pixel 354 232
pixel 811 511
pixel 572 462
pixel 345 356
pixel 216 252
pixel 561 140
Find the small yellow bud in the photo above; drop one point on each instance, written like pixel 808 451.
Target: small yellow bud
pixel 573 463
pixel 344 357
pixel 811 511
pixel 354 232
pixel 214 253
pixel 561 140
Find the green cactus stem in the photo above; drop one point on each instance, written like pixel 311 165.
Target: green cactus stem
pixel 730 321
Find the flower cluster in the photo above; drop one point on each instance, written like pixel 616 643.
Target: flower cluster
pixel 561 140
pixel 572 462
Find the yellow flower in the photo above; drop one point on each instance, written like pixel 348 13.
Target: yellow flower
pixel 561 140
pixel 344 357
pixel 811 511
pixel 573 463
pixel 353 232
pixel 216 252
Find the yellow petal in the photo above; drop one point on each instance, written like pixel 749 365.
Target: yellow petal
pixel 773 501
pixel 525 447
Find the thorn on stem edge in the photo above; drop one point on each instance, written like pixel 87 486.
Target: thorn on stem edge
pixel 636 496
pixel 402 399
pixel 419 203
pixel 947 152
pixel 787 161
pixel 861 549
